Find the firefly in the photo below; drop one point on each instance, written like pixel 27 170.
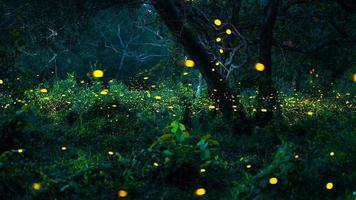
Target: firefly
pixel 200 191
pixel 273 181
pixel 260 67
pixel 98 73
pixel 189 63
pixel 217 22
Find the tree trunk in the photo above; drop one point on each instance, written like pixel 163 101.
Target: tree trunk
pixel 217 88
pixel 267 94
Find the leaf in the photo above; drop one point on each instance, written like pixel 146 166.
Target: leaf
pixel 213 142
pixel 166 137
pixel 202 144
pixel 186 134
pixel 180 137
pixel 182 127
pixel 205 155
pixel 175 126
pixel 167 153
pixel 206 137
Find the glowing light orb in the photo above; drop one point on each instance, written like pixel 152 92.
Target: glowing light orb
pixel 217 22
pixel 310 113
pixel 158 97
pixel 200 191
pixel 155 164
pixel 260 67
pixel 248 166
pixel 145 78
pixel 122 193
pixel 263 110
pixel 329 185
pixel 228 31
pixel 221 51
pixel 43 90
pixel 218 39
pixel 1 82
pixel 63 148
pixel 189 63
pixel 98 73
pixel 20 150
pixel 332 153
pixel 36 186
pixel 211 107
pixel 354 77
pixel 104 92
pixel 111 153
pixel 202 170
pixel 273 181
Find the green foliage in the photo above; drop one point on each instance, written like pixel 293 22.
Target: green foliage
pixel 121 140
pixel 152 131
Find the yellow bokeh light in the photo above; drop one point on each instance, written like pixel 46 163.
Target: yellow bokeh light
pixel 310 113
pixel 200 191
pixel 98 73
pixel 36 186
pixel 264 110
pixel 329 185
pixel 155 164
pixel 260 67
pixel 20 150
pixel 228 31
pixel 185 73
pixel 63 148
pixel 221 51
pixel 354 77
pixel 158 97
pixel 211 107
pixel 248 166
pixel 218 39
pixel 1 82
pixel 332 153
pixel 122 193
pixel 111 153
pixel 202 170
pixel 43 90
pixel 217 22
pixel 104 92
pixel 189 63
pixel 273 181
pixel 146 78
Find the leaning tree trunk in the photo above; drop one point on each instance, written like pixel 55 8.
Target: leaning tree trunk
pixel 217 88
pixel 267 93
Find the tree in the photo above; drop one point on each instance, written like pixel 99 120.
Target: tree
pixel 170 12
pixel 287 37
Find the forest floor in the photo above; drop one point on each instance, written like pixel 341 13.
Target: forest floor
pixel 77 141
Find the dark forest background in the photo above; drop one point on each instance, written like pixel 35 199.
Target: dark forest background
pixel 177 99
